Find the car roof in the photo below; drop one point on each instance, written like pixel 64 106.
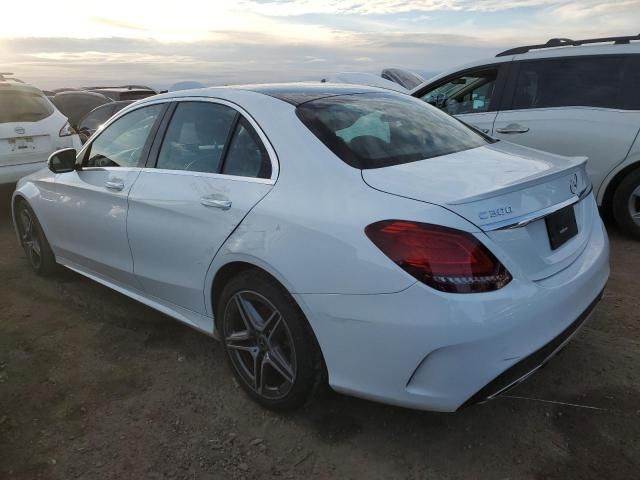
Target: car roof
pixel 543 51
pixel 292 93
pixel 122 89
pixel 80 94
pixel 9 83
pixel 299 93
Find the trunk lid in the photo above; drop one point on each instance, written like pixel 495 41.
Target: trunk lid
pixel 497 186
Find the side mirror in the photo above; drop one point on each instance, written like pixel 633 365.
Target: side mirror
pixel 62 161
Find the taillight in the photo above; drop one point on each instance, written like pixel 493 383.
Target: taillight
pixel 446 259
pixel 66 130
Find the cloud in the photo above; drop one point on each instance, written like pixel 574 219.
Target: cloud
pixel 380 7
pixel 240 41
pixel 232 57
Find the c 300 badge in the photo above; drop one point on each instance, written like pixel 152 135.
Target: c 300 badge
pixel 498 212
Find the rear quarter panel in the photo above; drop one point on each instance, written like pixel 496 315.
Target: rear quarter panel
pixel 309 230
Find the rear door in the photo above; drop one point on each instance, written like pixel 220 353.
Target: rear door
pixel 210 169
pixel 89 228
pixel 573 106
pixel 472 95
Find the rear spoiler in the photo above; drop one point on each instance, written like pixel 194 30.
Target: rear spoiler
pixel 573 164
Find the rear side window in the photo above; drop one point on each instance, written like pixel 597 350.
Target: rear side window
pixel 22 106
pixel 247 156
pixel 631 90
pixel 378 129
pixel 566 82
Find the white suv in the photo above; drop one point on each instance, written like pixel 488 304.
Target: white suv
pixel 31 128
pixel 569 97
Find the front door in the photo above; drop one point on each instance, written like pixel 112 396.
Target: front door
pixel 470 96
pixel 90 226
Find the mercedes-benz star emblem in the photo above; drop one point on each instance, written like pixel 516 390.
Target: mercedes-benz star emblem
pixel 573 183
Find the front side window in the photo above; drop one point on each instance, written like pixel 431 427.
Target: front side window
pixel 565 82
pixel 470 93
pixel 23 106
pixel 196 137
pixel 122 143
pixel 380 129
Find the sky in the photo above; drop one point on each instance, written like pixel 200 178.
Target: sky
pixel 75 43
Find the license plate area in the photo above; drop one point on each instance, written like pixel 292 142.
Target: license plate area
pixel 22 144
pixel 561 226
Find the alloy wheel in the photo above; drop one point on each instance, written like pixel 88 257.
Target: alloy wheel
pixel 634 206
pixel 259 344
pixel 30 238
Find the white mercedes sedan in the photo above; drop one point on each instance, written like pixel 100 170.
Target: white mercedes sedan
pixel 327 233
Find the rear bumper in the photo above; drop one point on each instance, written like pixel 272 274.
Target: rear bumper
pixel 430 350
pixel 527 366
pixel 12 173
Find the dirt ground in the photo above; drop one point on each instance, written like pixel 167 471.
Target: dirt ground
pixel 96 386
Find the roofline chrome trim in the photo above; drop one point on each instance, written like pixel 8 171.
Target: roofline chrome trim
pixel 528 218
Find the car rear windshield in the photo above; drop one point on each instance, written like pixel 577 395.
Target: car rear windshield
pixel 18 106
pixel 373 130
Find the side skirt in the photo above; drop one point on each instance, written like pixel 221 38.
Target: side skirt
pixel 194 320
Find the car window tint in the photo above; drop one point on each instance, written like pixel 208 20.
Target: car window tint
pixel 196 137
pixel 96 118
pixel 630 91
pixel 375 130
pixel 121 144
pixel 247 156
pixel 75 105
pixel 565 82
pixel 22 106
pixel 470 93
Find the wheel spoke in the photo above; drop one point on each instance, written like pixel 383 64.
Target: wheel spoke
pixel 272 324
pixel 258 372
pixel 248 313
pixel 252 349
pixel 35 247
pixel 280 365
pixel 27 227
pixel 26 222
pixel 241 336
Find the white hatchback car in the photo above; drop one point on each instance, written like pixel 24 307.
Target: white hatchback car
pixel 31 128
pixel 330 230
pixel 566 97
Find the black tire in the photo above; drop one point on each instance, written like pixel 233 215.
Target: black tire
pixel 33 240
pixel 290 341
pixel 625 200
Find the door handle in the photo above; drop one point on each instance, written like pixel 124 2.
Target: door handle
pixel 216 203
pixel 513 128
pixel 114 185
